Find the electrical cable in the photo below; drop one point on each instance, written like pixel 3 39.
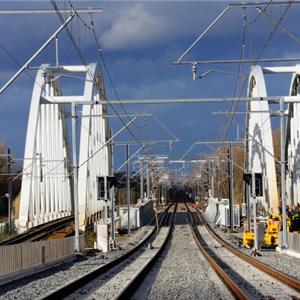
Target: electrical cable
pixel 260 13
pixel 100 52
pixel 84 62
pixel 234 104
pixel 264 47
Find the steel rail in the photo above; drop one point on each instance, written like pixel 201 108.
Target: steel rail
pixel 284 278
pixel 72 286
pixel 236 291
pixel 38 232
pixel 136 282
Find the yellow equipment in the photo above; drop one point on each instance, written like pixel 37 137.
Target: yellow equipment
pixel 248 236
pixel 271 233
pixel 272 228
pixel 274 225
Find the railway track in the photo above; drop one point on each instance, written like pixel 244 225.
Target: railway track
pixel 119 278
pixel 39 232
pixel 181 271
pixel 244 276
pixel 288 280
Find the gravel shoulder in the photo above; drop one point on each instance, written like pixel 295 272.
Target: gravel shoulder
pixel 282 262
pixel 182 272
pixel 254 282
pixel 109 285
pixel 35 286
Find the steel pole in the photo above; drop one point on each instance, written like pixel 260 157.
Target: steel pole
pixel 282 168
pixel 26 65
pixel 254 210
pixel 231 187
pixel 203 34
pixel 148 181
pixel 75 177
pixel 212 181
pixel 112 198
pixel 128 188
pixel 141 181
pixel 9 189
pixel 248 212
pixel 105 200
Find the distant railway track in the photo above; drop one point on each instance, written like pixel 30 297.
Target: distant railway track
pixel 166 218
pixel 235 288
pixel 38 232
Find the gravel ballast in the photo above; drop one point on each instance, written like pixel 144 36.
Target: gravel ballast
pixel 282 262
pixel 109 285
pixel 37 285
pixel 254 282
pixel 182 272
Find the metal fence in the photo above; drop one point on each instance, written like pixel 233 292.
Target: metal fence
pixel 293 239
pixel 14 258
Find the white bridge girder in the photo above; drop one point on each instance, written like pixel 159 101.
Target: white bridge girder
pixel 47 183
pixel 293 143
pixel 260 150
pixel 95 156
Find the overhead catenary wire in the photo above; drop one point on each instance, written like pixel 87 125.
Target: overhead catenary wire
pixel 261 52
pixel 101 54
pixel 260 13
pixel 7 52
pixel 91 28
pixel 234 103
pixel 99 50
pixel 85 63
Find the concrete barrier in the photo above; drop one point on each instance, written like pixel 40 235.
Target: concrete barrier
pixel 218 212
pixel 140 215
pixel 123 210
pixel 211 212
pixel 293 239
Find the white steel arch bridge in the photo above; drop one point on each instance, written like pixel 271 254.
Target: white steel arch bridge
pixel 47 191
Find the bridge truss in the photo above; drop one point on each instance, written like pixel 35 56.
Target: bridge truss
pixel 47 191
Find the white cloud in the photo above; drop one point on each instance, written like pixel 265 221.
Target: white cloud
pixel 135 27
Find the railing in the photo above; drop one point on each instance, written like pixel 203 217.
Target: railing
pixel 15 258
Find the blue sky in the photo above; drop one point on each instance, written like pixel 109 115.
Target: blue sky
pixel 140 40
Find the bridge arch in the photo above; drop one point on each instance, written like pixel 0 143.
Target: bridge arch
pixel 47 178
pixel 260 150
pixel 292 149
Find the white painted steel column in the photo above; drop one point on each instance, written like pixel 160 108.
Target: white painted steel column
pixel 148 180
pixel 141 181
pixel 128 188
pixel 112 199
pixel 282 169
pixel 75 178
